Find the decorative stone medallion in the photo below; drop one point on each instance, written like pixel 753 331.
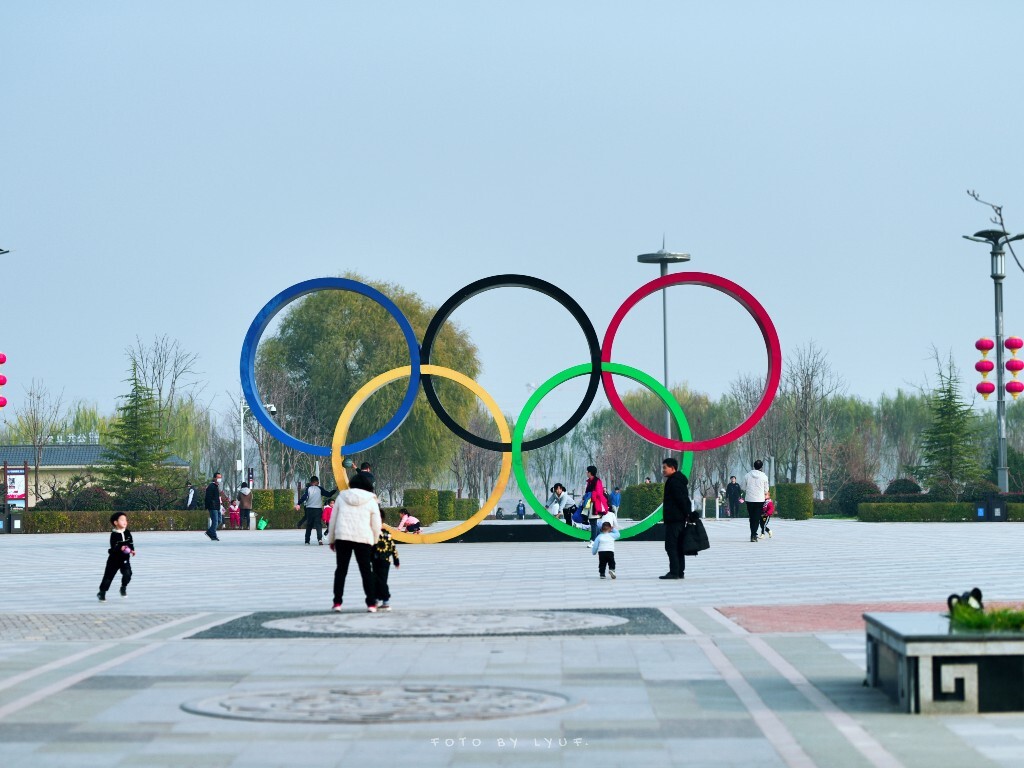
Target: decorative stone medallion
pixel 447 623
pixel 380 704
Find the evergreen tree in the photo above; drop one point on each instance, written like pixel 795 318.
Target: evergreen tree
pixel 949 445
pixel 136 450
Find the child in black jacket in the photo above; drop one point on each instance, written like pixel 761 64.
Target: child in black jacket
pixel 118 556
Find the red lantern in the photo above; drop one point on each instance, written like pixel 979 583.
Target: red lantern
pixel 1013 344
pixel 985 388
pixel 3 401
pixel 1015 365
pixel 3 358
pixel 984 346
pixel 3 379
pixel 1015 388
pixel 984 367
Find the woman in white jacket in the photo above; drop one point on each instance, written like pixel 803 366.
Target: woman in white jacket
pixel 354 529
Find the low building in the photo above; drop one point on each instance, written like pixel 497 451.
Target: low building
pixel 58 465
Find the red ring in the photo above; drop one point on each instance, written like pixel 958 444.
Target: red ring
pixel 771 343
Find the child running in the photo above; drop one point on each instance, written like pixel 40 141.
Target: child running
pixel 766 515
pixel 604 548
pixel 382 553
pixel 118 556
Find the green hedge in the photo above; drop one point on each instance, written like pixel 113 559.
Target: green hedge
pixel 446 505
pixel 852 494
pixel 936 512
pixel 262 500
pixel 422 502
pixel 281 519
pixel 638 501
pixel 465 508
pixel 47 521
pixel 284 500
pixel 824 507
pixel 794 501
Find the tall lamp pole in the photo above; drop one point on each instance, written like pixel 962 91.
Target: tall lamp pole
pixel 242 408
pixel 997 238
pixel 663 258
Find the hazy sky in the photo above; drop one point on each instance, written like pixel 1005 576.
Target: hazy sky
pixel 168 167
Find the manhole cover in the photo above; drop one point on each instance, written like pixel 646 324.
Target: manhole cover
pixel 380 704
pixel 447 623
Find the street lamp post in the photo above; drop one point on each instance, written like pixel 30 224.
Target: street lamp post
pixel 997 238
pixel 664 258
pixel 242 408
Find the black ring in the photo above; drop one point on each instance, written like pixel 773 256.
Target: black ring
pixel 512 281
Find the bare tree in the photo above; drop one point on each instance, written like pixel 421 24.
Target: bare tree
pixel 165 367
pixel 810 382
pixel 41 416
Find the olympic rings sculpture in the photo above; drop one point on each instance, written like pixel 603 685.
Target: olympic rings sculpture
pixel 600 369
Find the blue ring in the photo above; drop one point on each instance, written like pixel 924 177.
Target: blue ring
pixel 259 325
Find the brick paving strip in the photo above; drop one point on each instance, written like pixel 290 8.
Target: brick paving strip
pixel 49 627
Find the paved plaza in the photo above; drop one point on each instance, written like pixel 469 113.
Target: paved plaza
pixel 225 654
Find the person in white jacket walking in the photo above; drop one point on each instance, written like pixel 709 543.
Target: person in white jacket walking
pixel 755 491
pixel 354 530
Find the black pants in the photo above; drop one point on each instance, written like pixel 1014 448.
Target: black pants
pixel 754 510
pixel 734 507
pixel 381 568
pixel 363 552
pixel 314 519
pixel 764 523
pixel 116 563
pixel 605 560
pixel 245 519
pixel 674 535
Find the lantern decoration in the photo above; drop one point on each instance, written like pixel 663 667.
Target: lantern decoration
pixel 1014 343
pixel 1015 388
pixel 1015 365
pixel 984 367
pixel 984 346
pixel 3 379
pixel 985 388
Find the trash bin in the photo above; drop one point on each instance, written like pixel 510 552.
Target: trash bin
pixel 14 523
pixel 995 509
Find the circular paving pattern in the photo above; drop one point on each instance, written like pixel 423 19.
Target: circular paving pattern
pixel 445 623
pixel 380 704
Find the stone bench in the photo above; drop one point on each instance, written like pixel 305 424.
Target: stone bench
pixel 929 668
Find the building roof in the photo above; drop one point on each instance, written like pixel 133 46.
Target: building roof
pixel 83 455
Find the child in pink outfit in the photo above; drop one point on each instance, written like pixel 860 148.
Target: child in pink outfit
pixel 326 515
pixel 766 514
pixel 235 514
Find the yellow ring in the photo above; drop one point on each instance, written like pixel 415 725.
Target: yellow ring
pixel 360 397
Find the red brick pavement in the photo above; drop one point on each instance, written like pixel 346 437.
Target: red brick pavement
pixel 833 617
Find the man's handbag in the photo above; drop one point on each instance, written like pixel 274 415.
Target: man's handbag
pixel 695 537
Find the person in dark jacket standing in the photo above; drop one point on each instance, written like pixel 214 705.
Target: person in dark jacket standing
pixel 732 494
pixel 212 504
pixel 191 502
pixel 675 510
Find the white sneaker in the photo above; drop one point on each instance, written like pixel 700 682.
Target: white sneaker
pixel 371 609
pixel 611 573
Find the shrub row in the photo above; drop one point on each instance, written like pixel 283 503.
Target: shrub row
pixel 465 508
pixel 446 505
pixel 936 512
pixel 422 503
pixel 638 501
pixel 794 501
pixel 825 507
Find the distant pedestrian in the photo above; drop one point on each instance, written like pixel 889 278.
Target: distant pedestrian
pixel 245 503
pixel 367 470
pixel 676 511
pixel 191 501
pixel 384 553
pixel 732 494
pixel 604 547
pixel 647 481
pixel 616 500
pixel 521 510
pixel 314 497
pixel 118 556
pixel 355 530
pixel 755 490
pixel 235 514
pixel 595 502
pixel 212 502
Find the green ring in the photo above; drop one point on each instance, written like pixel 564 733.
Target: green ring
pixel 560 378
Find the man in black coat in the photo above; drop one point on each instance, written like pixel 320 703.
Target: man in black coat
pixel 212 503
pixel 676 510
pixel 733 493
